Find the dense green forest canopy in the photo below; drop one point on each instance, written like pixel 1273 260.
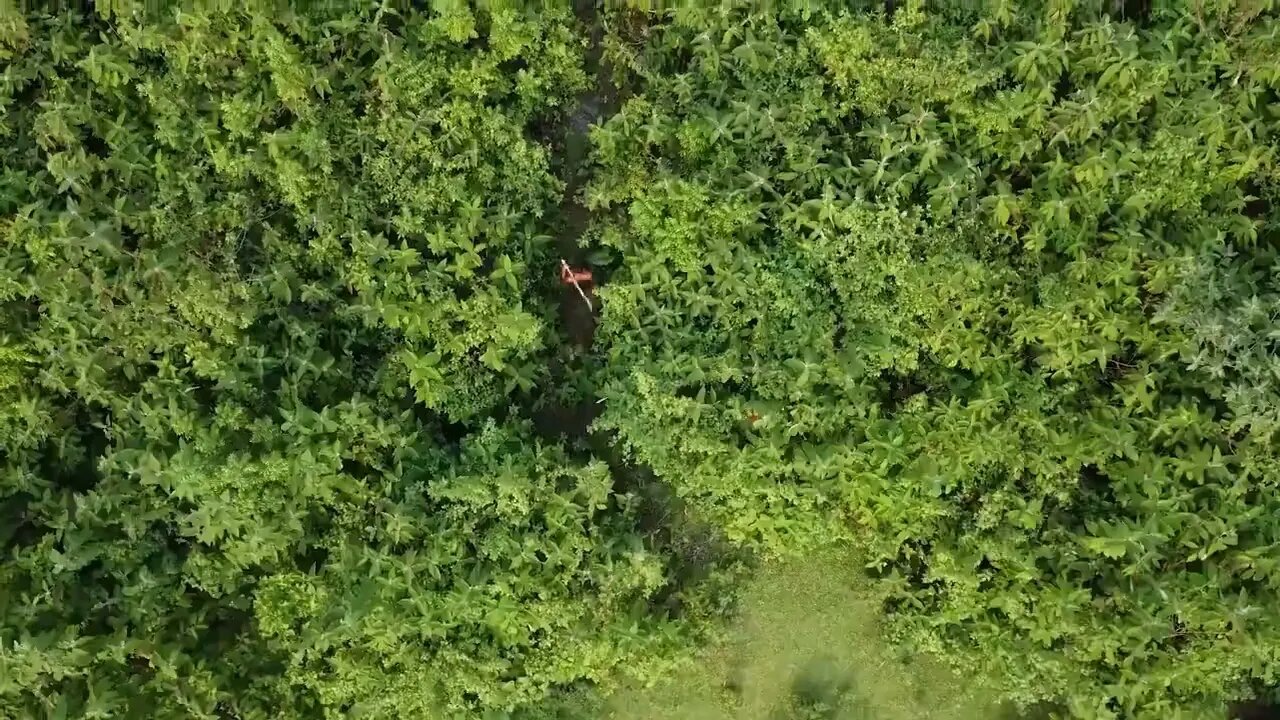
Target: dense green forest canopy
pixel 988 290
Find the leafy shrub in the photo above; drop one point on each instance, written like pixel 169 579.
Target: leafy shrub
pixel 989 288
pixel 986 289
pixel 269 280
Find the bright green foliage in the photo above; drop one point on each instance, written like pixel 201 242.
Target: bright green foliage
pixel 991 292
pixel 989 288
pixel 486 581
pixel 267 278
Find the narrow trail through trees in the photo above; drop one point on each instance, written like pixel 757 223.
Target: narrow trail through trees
pixel 692 548
pixel 577 306
pixel 597 102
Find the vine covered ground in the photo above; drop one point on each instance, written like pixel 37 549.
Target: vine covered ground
pixel 298 419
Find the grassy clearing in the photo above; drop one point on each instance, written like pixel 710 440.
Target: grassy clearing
pixel 807 646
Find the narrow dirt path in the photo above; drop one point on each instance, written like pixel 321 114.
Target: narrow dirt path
pixel 598 102
pixel 577 316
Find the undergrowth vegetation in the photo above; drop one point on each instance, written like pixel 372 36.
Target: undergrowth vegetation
pixel 269 280
pixel 988 289
pixel 990 294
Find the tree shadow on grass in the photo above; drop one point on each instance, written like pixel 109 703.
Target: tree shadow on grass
pixel 1256 710
pixel 823 690
pixel 1039 711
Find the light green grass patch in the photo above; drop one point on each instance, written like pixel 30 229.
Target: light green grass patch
pixel 807 646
